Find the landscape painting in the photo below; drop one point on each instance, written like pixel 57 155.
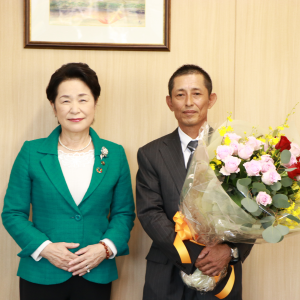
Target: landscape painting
pixel 118 13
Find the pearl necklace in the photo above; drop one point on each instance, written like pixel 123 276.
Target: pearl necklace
pixel 73 149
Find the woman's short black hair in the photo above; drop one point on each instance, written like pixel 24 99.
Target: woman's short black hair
pixel 79 71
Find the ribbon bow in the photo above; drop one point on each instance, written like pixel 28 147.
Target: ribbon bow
pixel 184 233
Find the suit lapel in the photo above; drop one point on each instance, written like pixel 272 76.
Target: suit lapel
pixel 173 157
pixel 52 168
pixel 99 170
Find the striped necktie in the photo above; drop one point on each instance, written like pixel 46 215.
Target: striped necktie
pixel 192 145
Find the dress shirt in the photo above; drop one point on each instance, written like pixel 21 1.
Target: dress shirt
pixel 77 169
pixel 185 139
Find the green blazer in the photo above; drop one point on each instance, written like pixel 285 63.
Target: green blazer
pixel 106 211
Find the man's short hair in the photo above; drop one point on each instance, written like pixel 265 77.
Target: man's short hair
pixel 190 69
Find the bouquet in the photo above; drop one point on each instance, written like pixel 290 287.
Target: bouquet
pixel 241 188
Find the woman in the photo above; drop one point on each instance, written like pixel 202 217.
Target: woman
pixel 80 189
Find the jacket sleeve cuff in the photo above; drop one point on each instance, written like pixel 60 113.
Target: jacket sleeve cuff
pixel 112 247
pixel 36 254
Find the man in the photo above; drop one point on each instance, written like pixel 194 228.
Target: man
pixel 163 165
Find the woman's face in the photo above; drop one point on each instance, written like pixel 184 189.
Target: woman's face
pixel 74 106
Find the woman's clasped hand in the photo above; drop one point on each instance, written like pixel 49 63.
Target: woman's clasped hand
pixel 80 262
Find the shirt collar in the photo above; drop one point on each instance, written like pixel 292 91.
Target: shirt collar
pixel 185 139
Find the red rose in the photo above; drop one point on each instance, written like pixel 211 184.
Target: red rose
pixel 296 172
pixel 284 144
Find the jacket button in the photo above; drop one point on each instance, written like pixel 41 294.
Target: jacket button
pixel 78 217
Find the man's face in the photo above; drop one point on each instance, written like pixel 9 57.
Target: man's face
pixel 190 100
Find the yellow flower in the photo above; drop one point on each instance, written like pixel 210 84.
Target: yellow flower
pixel 229 119
pixel 268 137
pixel 262 139
pixel 291 227
pixel 227 141
pixel 297 196
pixel 295 186
pixel 215 160
pixel 274 141
pixel 280 127
pixel 270 128
pixel 286 126
pixel 212 166
pixel 229 128
pixel 222 131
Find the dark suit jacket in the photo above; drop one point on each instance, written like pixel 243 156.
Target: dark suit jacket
pixel 160 178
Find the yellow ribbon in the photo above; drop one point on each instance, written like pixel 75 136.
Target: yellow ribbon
pixel 184 233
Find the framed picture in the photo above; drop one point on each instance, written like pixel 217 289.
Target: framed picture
pixel 98 24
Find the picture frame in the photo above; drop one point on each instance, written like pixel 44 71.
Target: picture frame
pixel 140 25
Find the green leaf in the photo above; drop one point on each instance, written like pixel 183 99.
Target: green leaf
pixel 225 186
pixel 286 181
pixel 267 221
pixel 275 132
pixel 281 239
pixel 283 229
pixel 244 190
pixel 237 199
pixel 290 170
pixel 249 225
pixel 232 176
pixel 280 201
pixel 272 235
pixel 291 217
pixel 259 186
pixel 256 213
pixel 280 197
pixel 276 186
pixel 250 205
pixel 245 181
pixel 285 156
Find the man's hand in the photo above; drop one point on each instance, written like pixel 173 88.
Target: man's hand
pixel 212 260
pixel 59 255
pixel 89 258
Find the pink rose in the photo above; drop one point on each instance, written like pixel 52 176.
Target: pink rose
pixel 270 177
pixel 254 143
pixel 266 166
pixel 263 198
pixel 267 158
pixel 235 145
pixel 223 151
pixel 266 147
pixel 252 167
pixel 245 151
pixel 295 149
pixel 293 161
pixel 231 165
pixel 233 136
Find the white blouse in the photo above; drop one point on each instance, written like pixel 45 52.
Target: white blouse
pixel 77 169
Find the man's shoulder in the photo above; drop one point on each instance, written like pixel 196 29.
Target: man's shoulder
pixel 158 142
